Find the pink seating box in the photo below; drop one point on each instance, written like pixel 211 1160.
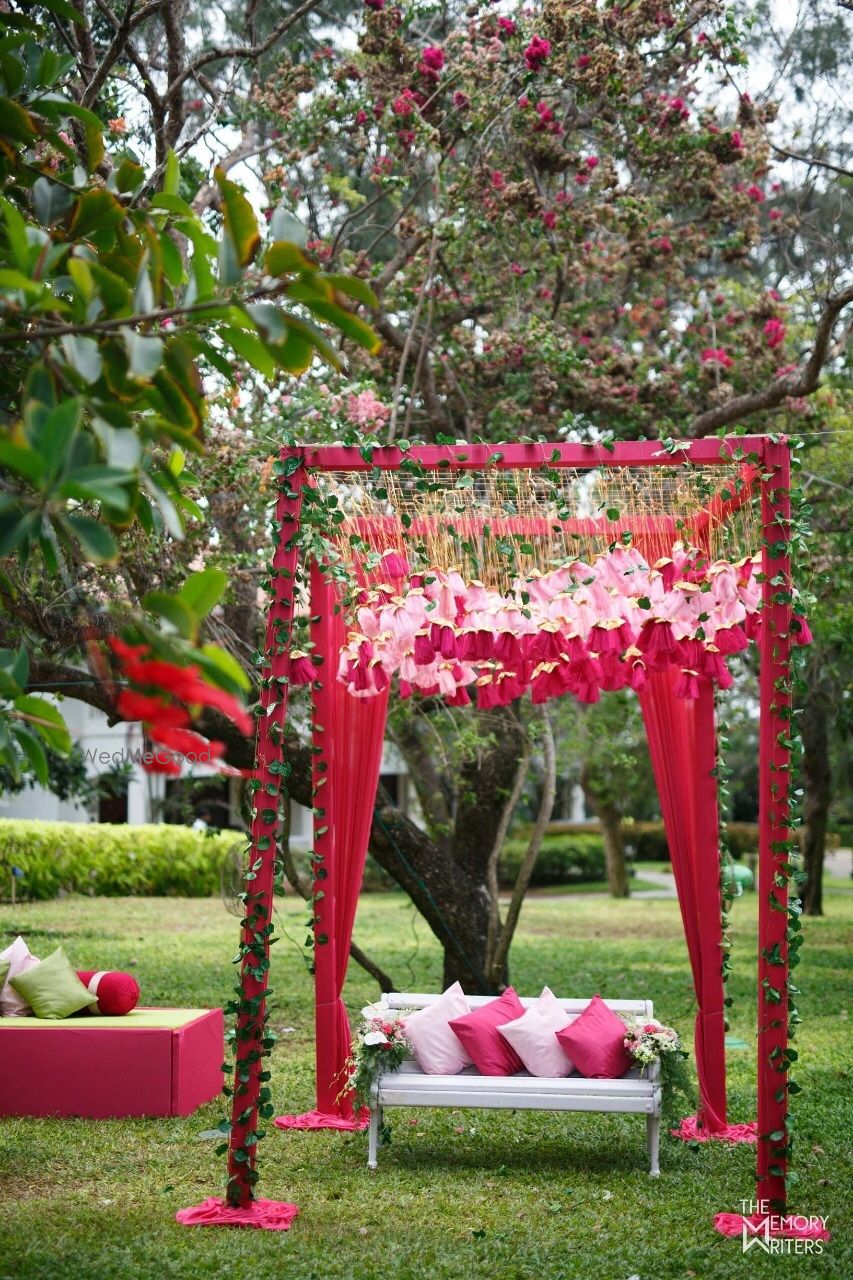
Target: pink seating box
pixel 151 1062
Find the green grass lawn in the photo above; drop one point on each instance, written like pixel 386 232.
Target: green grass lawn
pixel 457 1195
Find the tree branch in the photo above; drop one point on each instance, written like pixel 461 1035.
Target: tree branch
pixel 802 383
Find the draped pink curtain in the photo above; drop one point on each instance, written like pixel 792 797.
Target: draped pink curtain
pixel 682 745
pixel 349 734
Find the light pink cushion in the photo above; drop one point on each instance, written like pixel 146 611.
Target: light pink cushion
pixel 478 1033
pixel 533 1037
pixel 437 1050
pixel 20 960
pixel 595 1041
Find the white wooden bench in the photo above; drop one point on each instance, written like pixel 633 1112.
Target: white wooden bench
pixel 411 1087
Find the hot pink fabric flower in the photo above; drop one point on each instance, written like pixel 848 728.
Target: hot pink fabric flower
pixel 537 52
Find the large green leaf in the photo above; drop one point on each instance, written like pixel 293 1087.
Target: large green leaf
pixel 28 463
pixel 50 724
pixel 145 352
pixel 174 610
pixel 351 326
pixel 251 349
pixel 354 287
pixel 224 668
pixel 16 123
pixel 84 356
pixel 96 211
pixel 284 257
pixel 14 672
pixel 95 538
pixel 203 590
pixel 32 748
pixel 241 225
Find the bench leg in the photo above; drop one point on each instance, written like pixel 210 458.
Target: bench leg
pixel 653 1137
pixel 373 1136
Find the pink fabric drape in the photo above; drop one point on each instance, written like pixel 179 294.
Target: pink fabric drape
pixel 682 745
pixel 349 734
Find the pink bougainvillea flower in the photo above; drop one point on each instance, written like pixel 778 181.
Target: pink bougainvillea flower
pixel 774 332
pixel 507 26
pixel 755 193
pixel 498 180
pixel 537 52
pixel 549 219
pixel 663 244
pixel 717 356
pixel 375 4
pixel 775 214
pixel 583 61
pixel 461 100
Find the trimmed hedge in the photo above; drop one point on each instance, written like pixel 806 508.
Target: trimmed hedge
pixel 649 838
pixel 562 860
pixel 113 860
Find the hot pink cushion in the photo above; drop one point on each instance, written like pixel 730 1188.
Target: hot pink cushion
pixel 20 960
pixel 478 1034
pixel 437 1050
pixel 532 1036
pixel 595 1042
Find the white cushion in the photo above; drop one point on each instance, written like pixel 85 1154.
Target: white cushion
pixel 20 960
pixel 437 1049
pixel 533 1037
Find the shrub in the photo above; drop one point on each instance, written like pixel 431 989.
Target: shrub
pixel 648 839
pixel 562 860
pixel 106 859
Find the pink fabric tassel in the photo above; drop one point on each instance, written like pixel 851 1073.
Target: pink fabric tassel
pixel 687 685
pixel 658 644
pixel 731 639
pixel 466 645
pixel 485 645
pixel 637 677
pixel 301 669
pixel 614 672
pixel 507 649
pixel 486 696
pixel 394 565
pixel 424 650
pixel 461 698
pixel 801 632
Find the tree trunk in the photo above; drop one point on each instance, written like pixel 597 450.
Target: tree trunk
pixel 611 833
pixel 817 781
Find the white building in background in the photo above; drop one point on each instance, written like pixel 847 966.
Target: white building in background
pixel 151 797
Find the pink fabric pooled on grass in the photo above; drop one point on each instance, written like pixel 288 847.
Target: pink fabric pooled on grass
pixel 795 1226
pixel 271 1215
pixel 320 1120
pixel 595 1042
pixel 479 1036
pixel 691 1131
pixel 438 1051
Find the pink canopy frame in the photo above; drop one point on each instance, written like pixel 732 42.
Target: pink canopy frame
pixel 342 827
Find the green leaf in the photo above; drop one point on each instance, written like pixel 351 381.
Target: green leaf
pixel 172 203
pixel 284 225
pixel 251 349
pixel 10 279
pixel 53 432
pixel 172 175
pixel 16 123
pixel 284 257
pixel 129 176
pixel 51 727
pixel 145 354
pixel 354 287
pixel 351 326
pixel 33 750
pixel 174 610
pixel 98 484
pixel 84 356
pixel 65 10
pixel 14 671
pixel 203 590
pixel 50 201
pixel 96 211
pixel 95 538
pixel 16 231
pixel 226 665
pixel 241 226
pixel 26 462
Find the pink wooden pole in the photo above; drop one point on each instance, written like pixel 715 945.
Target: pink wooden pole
pixel 257 925
pixel 325 966
pixel 774 833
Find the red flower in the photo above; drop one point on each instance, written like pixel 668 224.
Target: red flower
pixel 755 193
pixel 537 53
pixel 717 355
pixel 774 331
pixel 139 706
pixel 583 61
pixel 432 61
pixel 507 26
pixel 188 743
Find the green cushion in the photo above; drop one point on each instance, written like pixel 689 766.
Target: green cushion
pixel 5 966
pixel 51 988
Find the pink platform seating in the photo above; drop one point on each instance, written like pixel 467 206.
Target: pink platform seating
pixel 151 1062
